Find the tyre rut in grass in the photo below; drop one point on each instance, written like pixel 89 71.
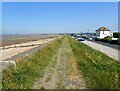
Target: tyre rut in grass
pixel 60 73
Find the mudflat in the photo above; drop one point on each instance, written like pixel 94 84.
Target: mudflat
pixel 22 38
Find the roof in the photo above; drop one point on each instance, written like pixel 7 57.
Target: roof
pixel 103 29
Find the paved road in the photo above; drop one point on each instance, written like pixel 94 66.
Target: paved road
pixel 115 46
pixel 110 51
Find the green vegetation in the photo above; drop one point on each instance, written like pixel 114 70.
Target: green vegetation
pixel 97 39
pixel 99 71
pixel 116 35
pixel 107 39
pixel 30 69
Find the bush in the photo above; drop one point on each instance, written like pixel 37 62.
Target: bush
pixel 102 40
pixel 116 35
pixel 97 39
pixel 107 39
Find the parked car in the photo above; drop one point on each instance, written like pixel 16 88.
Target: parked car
pixel 81 39
pixel 90 38
pixel 94 38
pixel 73 37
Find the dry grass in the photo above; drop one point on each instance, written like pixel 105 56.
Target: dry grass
pixel 99 70
pixel 30 69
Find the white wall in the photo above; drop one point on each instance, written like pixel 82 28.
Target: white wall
pixel 102 34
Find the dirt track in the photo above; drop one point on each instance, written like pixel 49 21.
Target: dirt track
pixel 62 72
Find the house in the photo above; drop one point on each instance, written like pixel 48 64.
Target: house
pixel 103 32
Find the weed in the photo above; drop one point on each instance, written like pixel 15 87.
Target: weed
pixel 30 69
pixel 99 70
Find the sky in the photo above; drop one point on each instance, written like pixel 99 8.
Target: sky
pixel 58 17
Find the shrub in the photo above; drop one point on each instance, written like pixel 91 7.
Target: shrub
pixel 102 40
pixel 97 39
pixel 108 39
pixel 116 35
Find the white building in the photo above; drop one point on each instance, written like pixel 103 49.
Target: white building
pixel 103 32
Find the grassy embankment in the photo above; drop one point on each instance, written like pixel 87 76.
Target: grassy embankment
pixel 99 70
pixel 30 69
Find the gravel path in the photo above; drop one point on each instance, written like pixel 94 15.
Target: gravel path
pixel 62 72
pixel 111 52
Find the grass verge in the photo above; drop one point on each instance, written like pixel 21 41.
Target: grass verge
pixel 99 70
pixel 30 69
